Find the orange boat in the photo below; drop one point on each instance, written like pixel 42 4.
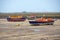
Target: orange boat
pixel 48 21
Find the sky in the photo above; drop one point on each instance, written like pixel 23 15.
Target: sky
pixel 30 5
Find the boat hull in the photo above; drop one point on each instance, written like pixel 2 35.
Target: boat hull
pixel 16 19
pixel 35 22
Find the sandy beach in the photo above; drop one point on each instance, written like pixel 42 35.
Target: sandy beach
pixel 24 31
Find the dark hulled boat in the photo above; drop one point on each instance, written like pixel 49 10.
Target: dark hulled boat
pixel 16 18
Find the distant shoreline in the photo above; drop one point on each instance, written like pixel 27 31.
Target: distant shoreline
pixel 53 15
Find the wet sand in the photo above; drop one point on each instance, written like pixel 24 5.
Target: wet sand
pixel 10 31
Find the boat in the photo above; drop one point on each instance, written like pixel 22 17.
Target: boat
pixel 16 18
pixel 38 21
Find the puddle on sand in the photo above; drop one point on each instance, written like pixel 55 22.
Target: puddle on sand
pixel 36 30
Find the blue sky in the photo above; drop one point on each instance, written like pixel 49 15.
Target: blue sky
pixel 30 5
